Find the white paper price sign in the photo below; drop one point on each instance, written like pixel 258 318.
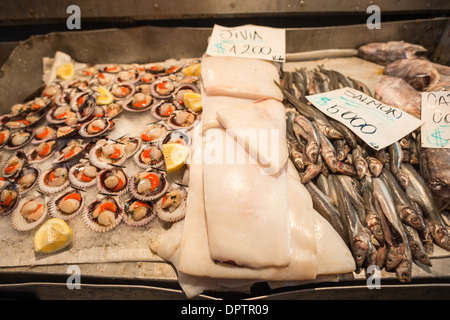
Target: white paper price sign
pixel 377 124
pixel 435 114
pixel 248 41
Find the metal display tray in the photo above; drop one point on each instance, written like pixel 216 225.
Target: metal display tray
pixel 22 72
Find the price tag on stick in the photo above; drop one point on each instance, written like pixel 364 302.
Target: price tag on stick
pixel 435 113
pixel 248 41
pixel 377 124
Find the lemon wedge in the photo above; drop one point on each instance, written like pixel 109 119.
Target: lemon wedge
pixel 105 96
pixel 192 70
pixel 175 155
pixel 65 71
pixel 52 236
pixel 193 101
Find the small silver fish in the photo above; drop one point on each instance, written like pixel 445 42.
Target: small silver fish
pixel 328 152
pixel 312 170
pixel 348 135
pixel 417 190
pixel 395 156
pixel 372 216
pixel 322 204
pixel 306 129
pixel 402 203
pixel 359 162
pixel 342 149
pixel 417 248
pixel 346 169
pixel 352 188
pixel 401 250
pixel 375 166
pixel 358 237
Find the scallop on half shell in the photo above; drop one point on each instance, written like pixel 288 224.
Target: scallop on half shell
pixel 94 127
pixel 141 102
pixel 154 132
pixel 148 185
pixel 42 152
pixel 150 156
pixel 103 214
pixel 67 131
pixel 83 175
pixel 178 95
pixel 182 119
pixel 104 79
pixel 112 110
pixel 29 213
pixel 131 144
pixel 58 114
pixel 122 91
pixel 106 155
pixel 127 76
pixel 163 88
pixel 83 104
pixel 40 102
pixel 54 180
pixel 67 204
pixel 176 136
pixel 72 149
pixel 138 213
pixel 171 207
pixel 14 164
pixel 5 134
pixel 9 198
pixel 112 181
pixel 27 179
pixel 163 110
pixel 44 133
pixel 79 83
pixel 111 68
pixel 19 139
pixel 30 119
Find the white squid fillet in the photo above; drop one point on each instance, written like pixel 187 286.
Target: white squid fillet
pixel 260 128
pixel 313 255
pixel 195 257
pixel 246 210
pixel 213 104
pixel 240 77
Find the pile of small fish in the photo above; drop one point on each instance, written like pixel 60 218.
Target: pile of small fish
pixel 376 200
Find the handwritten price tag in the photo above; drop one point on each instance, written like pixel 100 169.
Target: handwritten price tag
pixel 377 124
pixel 435 113
pixel 248 41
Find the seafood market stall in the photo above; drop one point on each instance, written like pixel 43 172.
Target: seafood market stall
pixel 97 123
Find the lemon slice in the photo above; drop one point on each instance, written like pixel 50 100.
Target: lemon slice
pixel 52 236
pixel 192 70
pixel 193 101
pixel 105 96
pixel 175 155
pixel 65 71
